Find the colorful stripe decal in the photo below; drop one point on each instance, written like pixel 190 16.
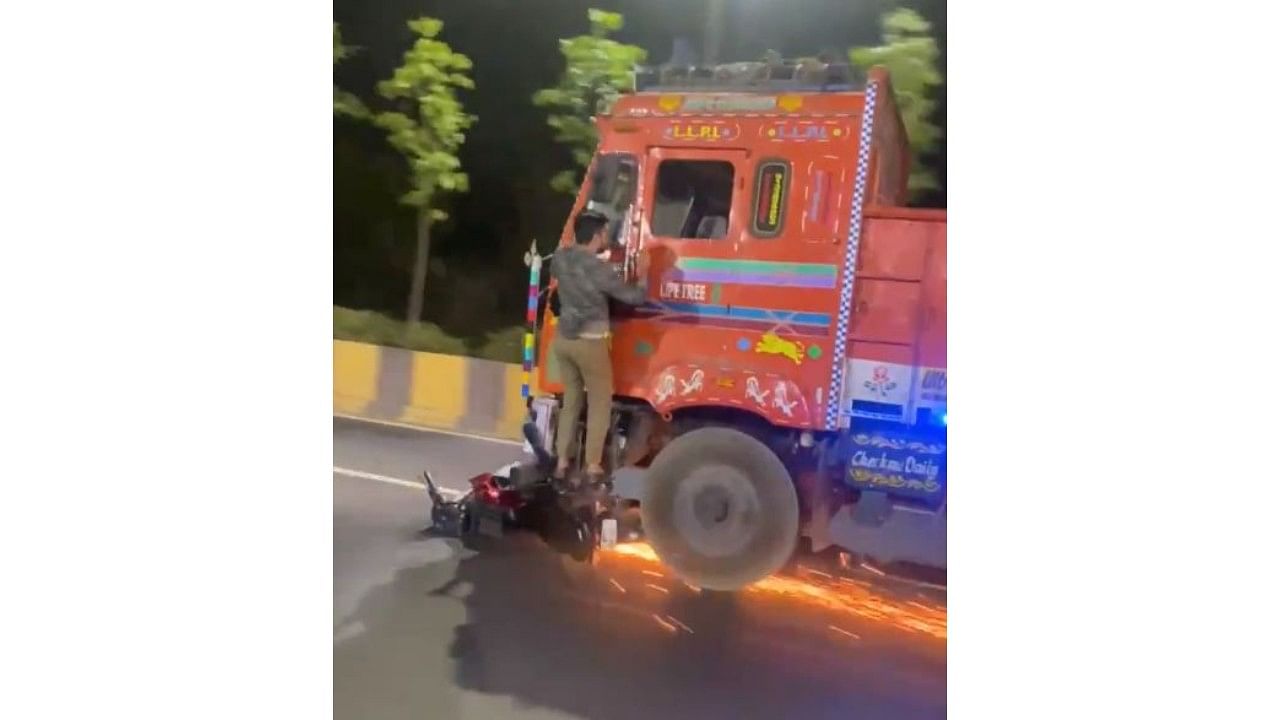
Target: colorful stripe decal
pixel 802 323
pixel 756 272
pixel 693 263
pixel 746 325
pixel 805 281
pixel 836 396
pixel 745 313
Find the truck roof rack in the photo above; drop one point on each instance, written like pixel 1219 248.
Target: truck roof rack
pixel 805 75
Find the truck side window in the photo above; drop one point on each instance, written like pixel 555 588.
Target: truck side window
pixel 613 191
pixel 769 208
pixel 692 199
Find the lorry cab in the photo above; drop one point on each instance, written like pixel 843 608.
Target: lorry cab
pixel 782 258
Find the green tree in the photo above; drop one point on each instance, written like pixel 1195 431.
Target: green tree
pixel 597 70
pixel 344 103
pixel 911 56
pixel 428 133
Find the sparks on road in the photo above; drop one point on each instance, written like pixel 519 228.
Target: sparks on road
pixel 820 590
pixel 842 631
pixel 665 624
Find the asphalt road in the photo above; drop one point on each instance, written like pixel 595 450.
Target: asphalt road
pixel 424 628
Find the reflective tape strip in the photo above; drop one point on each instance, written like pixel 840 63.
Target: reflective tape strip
pixel 836 397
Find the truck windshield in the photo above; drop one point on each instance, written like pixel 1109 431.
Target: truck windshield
pixel 613 190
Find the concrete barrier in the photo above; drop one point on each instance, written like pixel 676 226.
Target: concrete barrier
pixel 437 391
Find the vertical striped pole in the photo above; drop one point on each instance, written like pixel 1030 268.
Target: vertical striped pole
pixel 531 317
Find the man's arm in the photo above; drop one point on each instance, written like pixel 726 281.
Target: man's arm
pixel 609 282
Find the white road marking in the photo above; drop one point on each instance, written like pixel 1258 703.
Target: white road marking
pixel 347 632
pixel 419 428
pixel 447 493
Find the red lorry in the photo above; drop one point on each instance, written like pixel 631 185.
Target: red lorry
pixel 787 377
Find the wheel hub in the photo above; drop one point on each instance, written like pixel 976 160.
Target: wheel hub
pixel 717 510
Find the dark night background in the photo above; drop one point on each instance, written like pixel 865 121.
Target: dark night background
pixel 477 277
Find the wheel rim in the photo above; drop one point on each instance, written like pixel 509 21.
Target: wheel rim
pixel 716 510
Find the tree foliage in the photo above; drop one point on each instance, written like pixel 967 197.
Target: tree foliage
pixel 344 103
pixel 597 70
pixel 432 126
pixel 911 56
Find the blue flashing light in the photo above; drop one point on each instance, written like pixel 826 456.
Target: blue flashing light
pixel 944 418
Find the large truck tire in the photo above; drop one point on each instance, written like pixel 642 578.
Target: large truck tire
pixel 720 509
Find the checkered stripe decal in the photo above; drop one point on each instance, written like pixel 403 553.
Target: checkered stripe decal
pixel 836 396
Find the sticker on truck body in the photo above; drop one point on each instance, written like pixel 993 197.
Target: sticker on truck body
pixel 893 383
pixel 905 466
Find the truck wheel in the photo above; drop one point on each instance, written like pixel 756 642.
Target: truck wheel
pixel 720 509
